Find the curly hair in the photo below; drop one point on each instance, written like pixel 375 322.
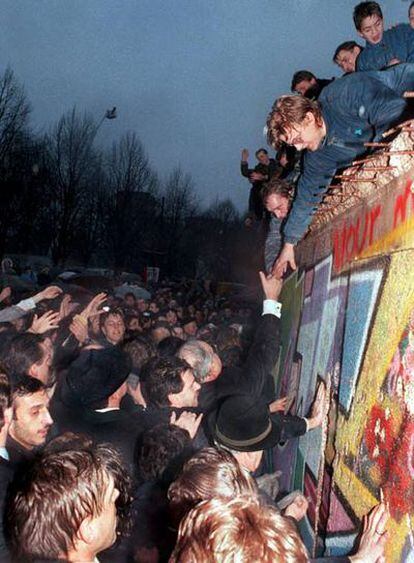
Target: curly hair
pixel 287 112
pixel 278 187
pixel 239 529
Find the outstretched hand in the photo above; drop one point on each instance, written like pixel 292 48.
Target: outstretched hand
pixel 286 258
pixel 271 286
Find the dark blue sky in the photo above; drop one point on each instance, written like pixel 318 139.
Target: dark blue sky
pixel 194 79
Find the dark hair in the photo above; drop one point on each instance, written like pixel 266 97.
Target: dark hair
pixel 139 349
pixel 299 77
pixel 164 379
pixel 259 151
pixel 231 356
pixel 53 496
pixel 158 448
pixel 169 346
pixel 117 311
pixel 130 294
pixel 23 351
pixel 227 336
pixel 345 46
pixel 26 385
pixel 5 397
pixel 365 10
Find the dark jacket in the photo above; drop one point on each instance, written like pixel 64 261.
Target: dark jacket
pixel 355 109
pixel 396 43
pixel 256 207
pixel 255 377
pixel 6 476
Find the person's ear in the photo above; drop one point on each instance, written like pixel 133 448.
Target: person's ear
pixel 309 118
pixel 86 532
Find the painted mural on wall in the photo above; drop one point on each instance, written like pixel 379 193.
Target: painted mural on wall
pixel 348 315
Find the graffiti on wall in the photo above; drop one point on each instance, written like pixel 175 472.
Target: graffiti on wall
pixel 348 314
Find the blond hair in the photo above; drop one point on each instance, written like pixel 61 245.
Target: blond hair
pixel 237 530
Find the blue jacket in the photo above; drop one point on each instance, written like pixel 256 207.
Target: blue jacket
pixel 397 42
pixel 355 108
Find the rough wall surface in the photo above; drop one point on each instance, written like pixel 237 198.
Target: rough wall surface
pixel 348 317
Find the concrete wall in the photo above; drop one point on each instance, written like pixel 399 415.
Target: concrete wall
pixel 348 315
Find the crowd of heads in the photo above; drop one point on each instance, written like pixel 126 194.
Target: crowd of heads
pixel 72 488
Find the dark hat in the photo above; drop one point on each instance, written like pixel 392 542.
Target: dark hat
pixel 243 423
pixel 95 375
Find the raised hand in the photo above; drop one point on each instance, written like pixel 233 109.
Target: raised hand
pixel 271 285
pixel 92 308
pixel 49 293
pixel 48 321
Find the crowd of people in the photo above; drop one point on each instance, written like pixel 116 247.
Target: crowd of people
pixel 133 429
pixel 324 126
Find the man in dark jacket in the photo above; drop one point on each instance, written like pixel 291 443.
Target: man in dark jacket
pixel 262 172
pixel 90 400
pixel 352 110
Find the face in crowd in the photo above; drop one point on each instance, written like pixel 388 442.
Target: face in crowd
pixel 188 396
pixel 278 205
pixel 114 328
pixel 307 135
pixel 31 419
pixel 372 29
pixel 347 59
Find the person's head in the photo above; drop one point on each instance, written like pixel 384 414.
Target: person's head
pixel 31 418
pixel 296 121
pixel 171 317
pixel 346 54
pixel 171 383
pixel 160 330
pixel 239 529
pixel 262 156
pixel 29 354
pixel 201 357
pixel 142 305
pixel 303 82
pixel 130 300
pixel 227 336
pixel 113 326
pixel 190 326
pixel 210 473
pixel 153 307
pixel 158 449
pixel 277 197
pixel 369 21
pixel 139 350
pixel 169 346
pixel 66 504
pixel 132 324
pixel 243 425
pixel 411 14
pixel 5 407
